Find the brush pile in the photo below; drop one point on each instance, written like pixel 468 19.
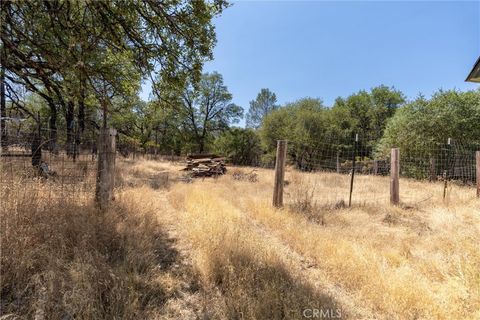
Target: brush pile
pixel 205 165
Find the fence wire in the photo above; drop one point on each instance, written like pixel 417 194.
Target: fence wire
pixel 332 166
pixel 33 166
pixel 453 161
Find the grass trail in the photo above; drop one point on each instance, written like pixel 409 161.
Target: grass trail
pixel 402 262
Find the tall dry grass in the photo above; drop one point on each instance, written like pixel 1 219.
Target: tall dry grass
pixel 229 253
pixel 63 259
pixel 417 261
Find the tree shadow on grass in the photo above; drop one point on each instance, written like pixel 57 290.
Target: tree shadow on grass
pixel 255 290
pixel 69 261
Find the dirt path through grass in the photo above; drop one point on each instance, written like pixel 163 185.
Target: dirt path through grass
pixel 299 266
pixel 188 301
pixel 308 269
pixel 368 266
pixel 254 261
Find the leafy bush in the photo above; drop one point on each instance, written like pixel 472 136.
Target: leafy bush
pixel 240 146
pixel 423 125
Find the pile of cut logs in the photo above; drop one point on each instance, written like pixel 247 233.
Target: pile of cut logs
pixel 205 165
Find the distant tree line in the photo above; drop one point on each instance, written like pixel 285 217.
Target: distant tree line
pixel 72 67
pixel 382 118
pixel 203 118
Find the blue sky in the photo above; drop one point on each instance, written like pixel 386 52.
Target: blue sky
pixel 330 49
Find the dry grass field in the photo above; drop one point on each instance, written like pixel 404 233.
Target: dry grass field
pixel 216 249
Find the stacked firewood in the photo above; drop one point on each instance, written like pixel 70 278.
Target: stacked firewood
pixel 205 165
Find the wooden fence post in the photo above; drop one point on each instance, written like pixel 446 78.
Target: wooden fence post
pixel 478 173
pixel 106 167
pixel 375 167
pixel 394 177
pixel 433 170
pixel 279 173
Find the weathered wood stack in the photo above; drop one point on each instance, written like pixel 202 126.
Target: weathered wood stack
pixel 205 165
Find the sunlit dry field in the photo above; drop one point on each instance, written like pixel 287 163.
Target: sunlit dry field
pixel 170 248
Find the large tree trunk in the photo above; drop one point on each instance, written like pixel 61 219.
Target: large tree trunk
pixel 3 107
pixel 81 108
pixel 80 128
pixel 201 145
pixel 69 119
pixel 52 123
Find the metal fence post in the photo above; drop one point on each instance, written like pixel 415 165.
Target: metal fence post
pixel 446 172
pixel 353 169
pixel 338 162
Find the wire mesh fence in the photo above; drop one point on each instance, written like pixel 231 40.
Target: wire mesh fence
pixel 453 161
pixel 48 170
pixel 66 168
pixel 37 169
pixel 360 174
